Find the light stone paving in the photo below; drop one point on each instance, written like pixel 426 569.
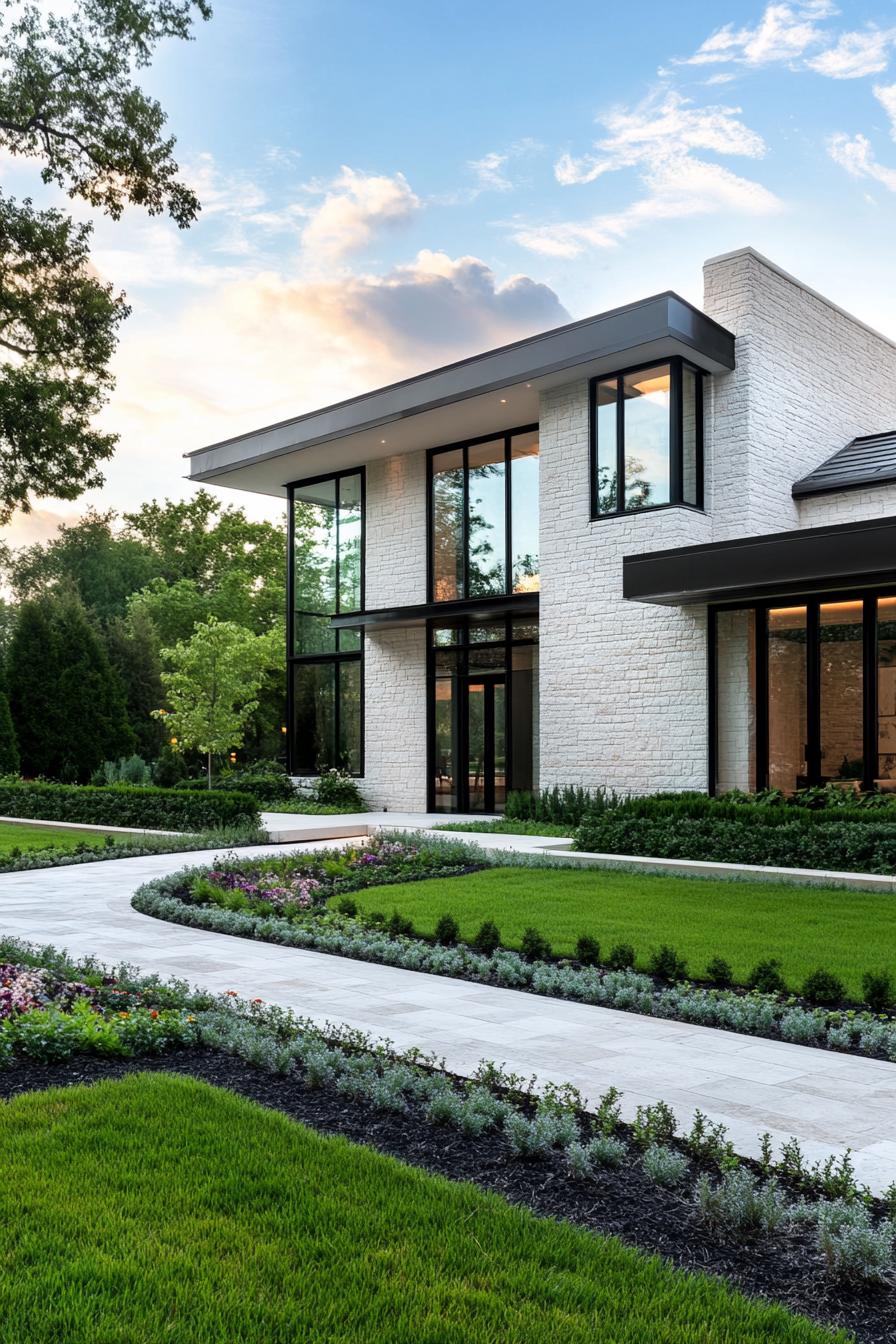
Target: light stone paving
pixel 829 1101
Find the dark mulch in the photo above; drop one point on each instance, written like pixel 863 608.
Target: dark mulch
pixel 623 1203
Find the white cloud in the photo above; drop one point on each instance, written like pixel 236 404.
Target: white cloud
pixel 355 206
pixel 782 34
pixel 856 55
pixel 792 34
pixel 858 158
pixel 886 96
pixel 657 138
pixel 489 172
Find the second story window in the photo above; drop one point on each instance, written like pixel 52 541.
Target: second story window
pixel 647 439
pixel 484 517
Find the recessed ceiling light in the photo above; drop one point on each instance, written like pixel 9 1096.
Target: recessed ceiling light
pixel 382 440
pixel 503 401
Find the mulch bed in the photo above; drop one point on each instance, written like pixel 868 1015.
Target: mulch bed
pixel 624 1203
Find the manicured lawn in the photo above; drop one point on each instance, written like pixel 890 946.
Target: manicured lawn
pixel 158 1208
pixel 847 932
pixel 21 835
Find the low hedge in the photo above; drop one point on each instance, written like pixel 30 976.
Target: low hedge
pixel 126 805
pixel 845 846
pixel 745 808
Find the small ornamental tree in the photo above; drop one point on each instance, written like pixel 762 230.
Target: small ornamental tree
pixel 211 682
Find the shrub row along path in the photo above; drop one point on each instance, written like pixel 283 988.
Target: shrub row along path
pixel 829 1101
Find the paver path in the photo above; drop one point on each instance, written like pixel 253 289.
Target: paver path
pixel 829 1101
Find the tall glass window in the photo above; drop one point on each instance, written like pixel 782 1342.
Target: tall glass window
pixel 646 434
pixel 484 517
pixel 840 692
pixel 735 668
pixel 885 770
pixel 326 580
pixel 787 710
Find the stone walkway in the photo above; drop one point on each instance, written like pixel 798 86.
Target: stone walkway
pixel 829 1101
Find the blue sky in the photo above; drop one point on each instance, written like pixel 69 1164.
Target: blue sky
pixel 390 186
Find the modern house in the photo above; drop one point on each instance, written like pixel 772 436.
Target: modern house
pixel 654 549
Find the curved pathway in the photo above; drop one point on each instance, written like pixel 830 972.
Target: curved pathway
pixel 829 1101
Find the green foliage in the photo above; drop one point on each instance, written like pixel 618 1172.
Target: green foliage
pixel 533 946
pixel 68 101
pixel 126 770
pixel 9 747
pixel 399 926
pixel 588 950
pixel 447 931
pixel 719 972
pixel 134 654
pixel 487 939
pixel 766 977
pixel 558 806
pixel 621 957
pixel 824 988
pixel 877 990
pixel 67 701
pixel 211 682
pixel 666 964
pixel 337 788
pixel 154 809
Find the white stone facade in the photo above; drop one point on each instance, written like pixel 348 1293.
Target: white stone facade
pixel 623 685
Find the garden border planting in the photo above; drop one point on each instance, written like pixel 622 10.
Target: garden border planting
pixel 135 849
pixel 128 805
pixel 809 1237
pixel 763 1012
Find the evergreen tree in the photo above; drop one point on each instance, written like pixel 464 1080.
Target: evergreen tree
pixel 9 751
pixel 67 701
pixel 132 645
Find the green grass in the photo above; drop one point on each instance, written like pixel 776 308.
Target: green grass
pixel 504 826
pixel 157 1208
pixel 847 932
pixel 21 835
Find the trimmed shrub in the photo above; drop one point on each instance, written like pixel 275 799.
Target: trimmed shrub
pixel 766 977
pixel 719 973
pixel 588 951
pixel 125 805
pixel 488 939
pixel 824 988
pixel 447 931
pixel 399 926
pixel 877 990
pixel 338 789
pixel 346 906
pixel 566 806
pixel 666 964
pixel 534 946
pixel 622 957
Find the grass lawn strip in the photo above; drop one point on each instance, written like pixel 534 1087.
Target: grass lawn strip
pixel 158 1207
pixel 846 932
pixel 19 835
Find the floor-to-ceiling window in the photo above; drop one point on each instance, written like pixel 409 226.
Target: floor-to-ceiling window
pixel 484 517
pixel 804 693
pixel 326 576
pixel 483 688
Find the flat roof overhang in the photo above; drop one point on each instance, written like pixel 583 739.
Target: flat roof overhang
pixel 488 393
pixel 483 608
pixel 808 560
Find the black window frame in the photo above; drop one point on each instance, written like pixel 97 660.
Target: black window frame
pixel 676 365
pixel 336 657
pixel 504 640
pixel 463 445
pixel 812 601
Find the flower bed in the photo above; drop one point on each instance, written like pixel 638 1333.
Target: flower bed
pixel 805 1233
pixel 46 1016
pixel 285 902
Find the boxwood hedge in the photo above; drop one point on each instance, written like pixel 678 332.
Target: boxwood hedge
pixel 127 805
pixel 864 846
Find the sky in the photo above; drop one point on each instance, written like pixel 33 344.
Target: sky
pixel 390 186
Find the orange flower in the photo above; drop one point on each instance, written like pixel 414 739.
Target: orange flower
pixel 154 1014
pixel 124 1014
pixel 258 1000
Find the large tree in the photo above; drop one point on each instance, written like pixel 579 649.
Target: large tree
pixel 67 701
pixel 69 100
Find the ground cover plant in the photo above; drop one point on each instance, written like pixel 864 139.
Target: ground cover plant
pixel 96 847
pixel 314 901
pixel 507 826
pixel 159 1207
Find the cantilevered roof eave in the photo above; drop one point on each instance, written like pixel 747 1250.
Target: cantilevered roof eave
pixel 648 323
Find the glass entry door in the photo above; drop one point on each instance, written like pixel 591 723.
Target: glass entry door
pixel 486 744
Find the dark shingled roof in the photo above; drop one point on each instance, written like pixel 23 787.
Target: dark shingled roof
pixel 867 461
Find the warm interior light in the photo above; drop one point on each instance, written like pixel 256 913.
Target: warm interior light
pixel 173 741
pixel 283 727
pixel 527 583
